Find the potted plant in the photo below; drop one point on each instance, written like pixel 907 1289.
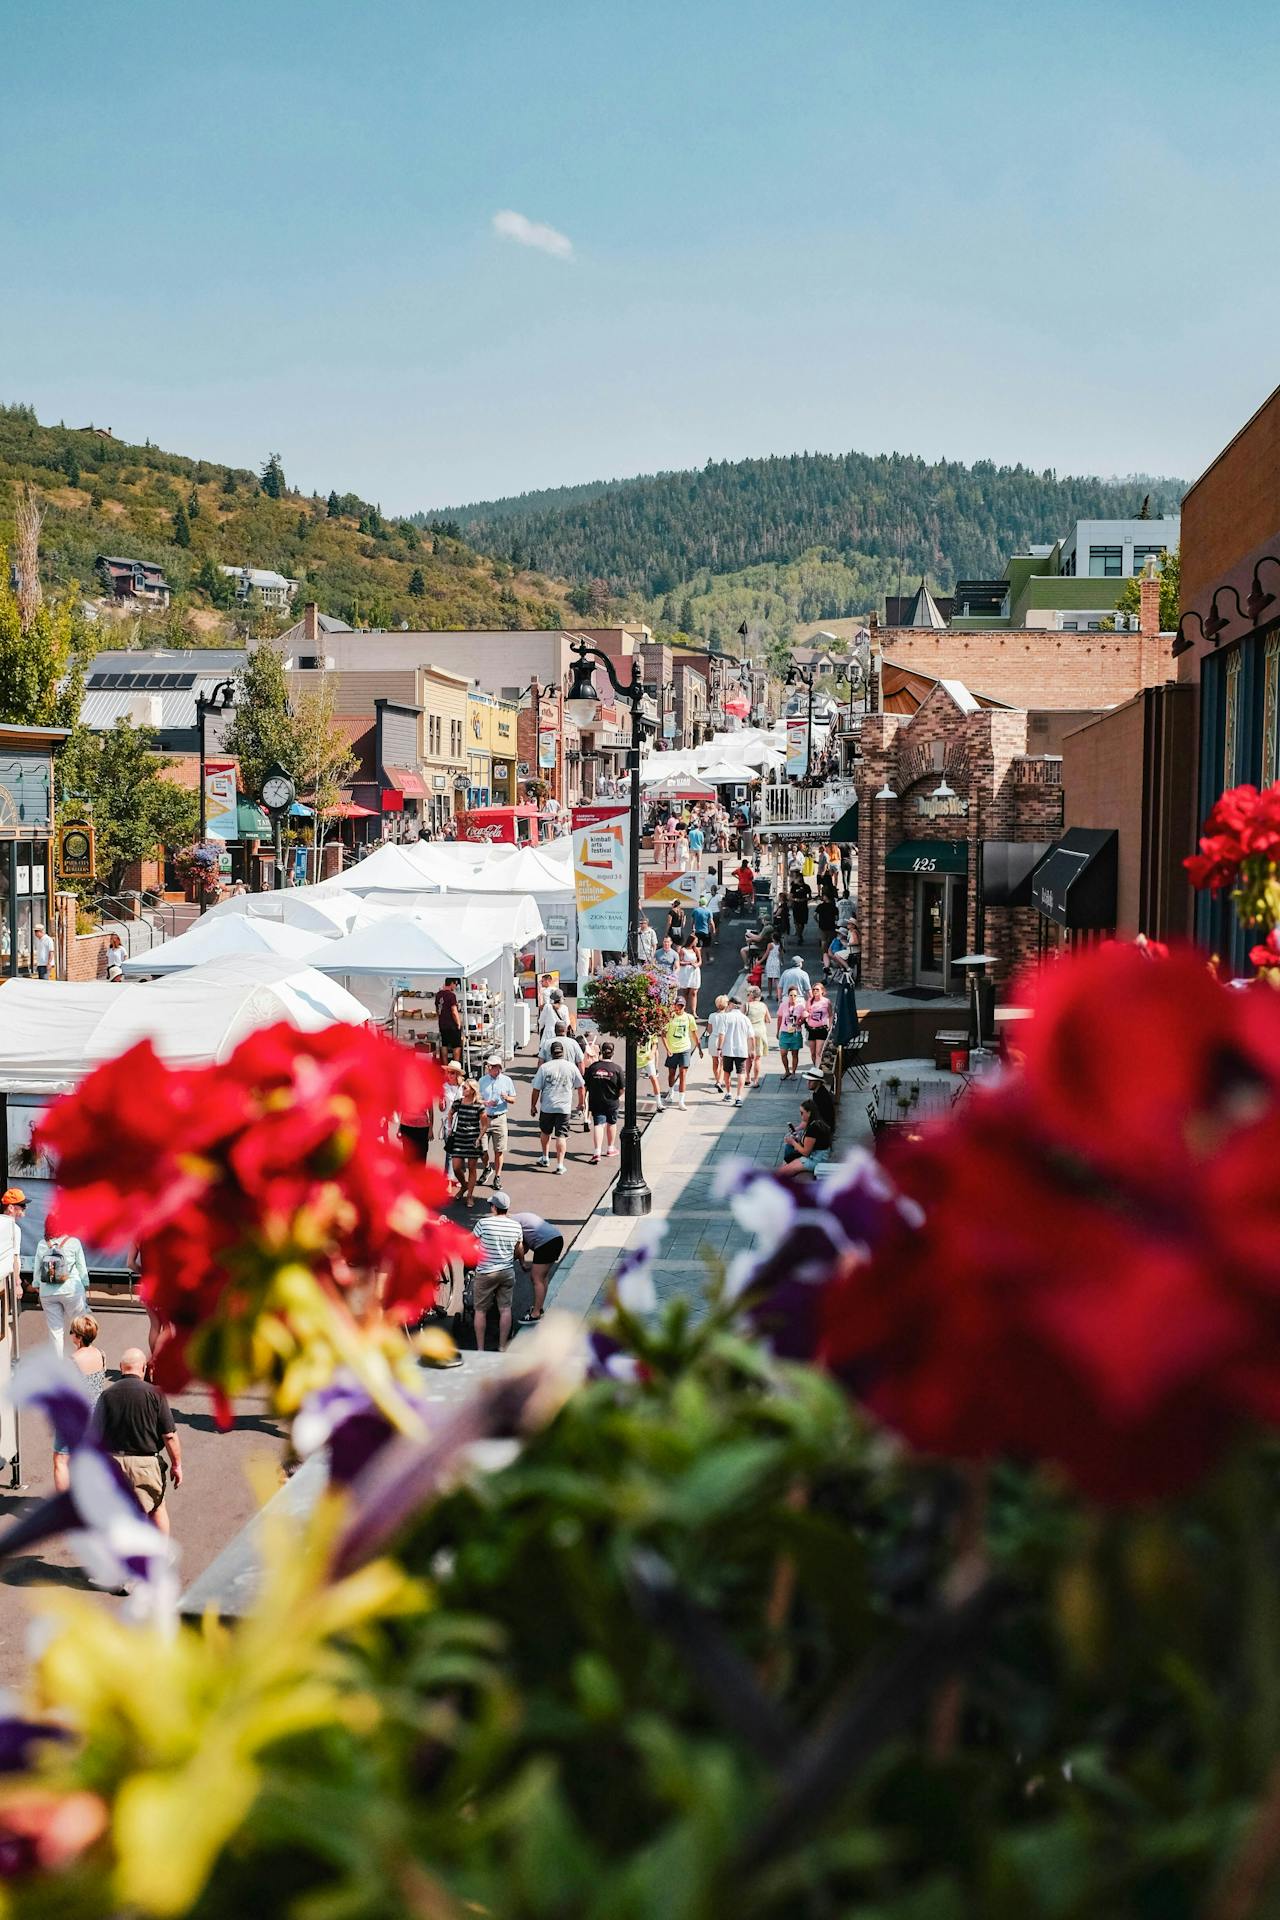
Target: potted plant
pixel 631 1002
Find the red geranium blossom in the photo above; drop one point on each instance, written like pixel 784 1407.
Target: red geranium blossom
pixel 233 1176
pixel 1241 836
pixel 1097 1280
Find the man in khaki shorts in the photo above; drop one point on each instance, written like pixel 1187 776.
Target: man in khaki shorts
pixel 134 1421
pixel 497 1094
pixel 501 1244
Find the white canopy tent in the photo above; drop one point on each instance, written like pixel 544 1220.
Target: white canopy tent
pixel 216 939
pixel 725 772
pixel 52 1032
pixel 393 867
pixel 443 937
pixel 327 908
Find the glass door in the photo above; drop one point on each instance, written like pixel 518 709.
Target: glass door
pixel 931 932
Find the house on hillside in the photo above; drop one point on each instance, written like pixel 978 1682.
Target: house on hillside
pixel 825 659
pixel 132 579
pixel 276 590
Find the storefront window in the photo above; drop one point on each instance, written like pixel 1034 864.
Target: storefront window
pixel 1231 719
pixel 1271 711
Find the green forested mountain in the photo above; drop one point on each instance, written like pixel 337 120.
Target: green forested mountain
pixel 872 513
pixel 101 495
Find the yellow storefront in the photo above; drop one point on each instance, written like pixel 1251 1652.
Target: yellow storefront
pixel 444 756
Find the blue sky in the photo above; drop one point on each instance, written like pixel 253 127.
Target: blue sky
pixel 942 226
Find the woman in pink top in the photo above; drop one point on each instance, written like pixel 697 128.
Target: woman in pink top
pixel 817 1019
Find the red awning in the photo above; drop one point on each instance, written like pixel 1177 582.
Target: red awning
pixel 349 810
pixel 405 781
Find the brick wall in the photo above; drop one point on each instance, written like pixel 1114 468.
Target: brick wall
pixel 1009 795
pixel 1030 667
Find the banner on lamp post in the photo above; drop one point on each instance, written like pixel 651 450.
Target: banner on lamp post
pixel 797 749
pixel 546 747
pixel 221 819
pixel 601 852
pixel 672 889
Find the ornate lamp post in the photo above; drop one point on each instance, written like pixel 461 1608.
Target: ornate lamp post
pixel 218 700
pixel 631 1194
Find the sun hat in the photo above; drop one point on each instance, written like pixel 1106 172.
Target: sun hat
pixel 13 1197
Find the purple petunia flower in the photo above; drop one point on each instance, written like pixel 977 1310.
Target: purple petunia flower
pixel 633 1275
pixel 804 1230
pixel 115 1542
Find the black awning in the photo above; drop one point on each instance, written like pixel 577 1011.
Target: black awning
pixel 846 827
pixel 928 856
pixel 1076 885
pixel 1007 867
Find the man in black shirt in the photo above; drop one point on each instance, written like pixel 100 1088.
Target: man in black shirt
pixel 134 1421
pixel 604 1089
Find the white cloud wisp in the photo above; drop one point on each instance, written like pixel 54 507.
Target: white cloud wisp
pixel 532 233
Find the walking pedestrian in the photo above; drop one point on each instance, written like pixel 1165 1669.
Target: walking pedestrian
pixel 713 1034
pixel 818 1021
pixel 846 866
pixel 570 1046
pixel 773 971
pixel 647 1068
pixel 468 1124
pixel 115 957
pixel 800 897
pixel 737 1051
pixel 63 1281
pixel 553 1014
pixel 791 1026
pixel 604 1081
pixel 646 942
pixel 680 1039
pixel 556 1090
pixel 697 841
pixel 42 951
pixel 666 958
pixel 501 1244
pixel 689 975
pixel 795 976
pixel 543 1246
pixel 660 843
pixel 134 1421
pixel 87 1359
pixel 497 1095
pixel 758 1015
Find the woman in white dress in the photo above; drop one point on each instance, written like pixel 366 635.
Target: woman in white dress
pixel 689 974
pixel 773 971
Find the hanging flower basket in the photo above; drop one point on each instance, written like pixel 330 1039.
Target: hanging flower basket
pixel 634 1003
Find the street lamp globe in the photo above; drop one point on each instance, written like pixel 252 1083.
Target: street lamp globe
pixel 582 699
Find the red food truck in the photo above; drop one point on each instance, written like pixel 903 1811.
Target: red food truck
pixel 501 826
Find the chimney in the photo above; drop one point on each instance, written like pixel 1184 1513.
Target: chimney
pixel 1149 592
pixel 311 621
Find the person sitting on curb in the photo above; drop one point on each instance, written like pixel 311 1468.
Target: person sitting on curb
pixel 808 1145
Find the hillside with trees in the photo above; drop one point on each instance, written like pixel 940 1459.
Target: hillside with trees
pixel 854 524
pixel 102 495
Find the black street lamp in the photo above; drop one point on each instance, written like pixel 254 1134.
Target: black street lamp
pixel 631 1194
pixel 217 700
pixel 805 677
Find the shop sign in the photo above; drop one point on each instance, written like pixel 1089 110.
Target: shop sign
pixel 546 748
pixel 76 850
pixel 522 769
pixel 951 808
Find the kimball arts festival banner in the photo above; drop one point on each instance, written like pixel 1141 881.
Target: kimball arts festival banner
pixel 797 748
pixel 601 846
pixel 221 818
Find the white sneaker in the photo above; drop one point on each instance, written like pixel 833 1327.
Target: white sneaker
pixel 681 1102
pixel 559 1166
pixel 738 1101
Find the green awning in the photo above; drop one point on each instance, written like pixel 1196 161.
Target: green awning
pixel 846 827
pixel 251 822
pixel 928 856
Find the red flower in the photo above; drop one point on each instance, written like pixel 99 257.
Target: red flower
pixel 1266 957
pixel 1097 1281
pixel 1244 825
pixel 231 1175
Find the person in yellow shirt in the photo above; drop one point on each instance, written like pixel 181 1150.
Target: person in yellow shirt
pixel 679 1040
pixel 647 1069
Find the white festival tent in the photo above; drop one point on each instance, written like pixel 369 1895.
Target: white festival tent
pixel 327 908
pixel 441 937
pixel 52 1032
pixel 722 772
pixel 394 867
pixel 216 939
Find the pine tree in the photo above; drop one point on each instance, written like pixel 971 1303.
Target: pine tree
pixel 181 527
pixel 193 505
pixel 333 508
pixel 229 481
pixel 303 527
pixel 417 585
pixel 70 466
pixel 273 481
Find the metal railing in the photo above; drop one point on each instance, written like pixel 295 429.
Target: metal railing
pixel 806 806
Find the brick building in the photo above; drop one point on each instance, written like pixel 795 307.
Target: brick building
pixel 943 793
pixel 1035 667
pixel 1229 640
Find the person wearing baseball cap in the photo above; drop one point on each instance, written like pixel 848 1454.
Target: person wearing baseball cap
pixel 501 1244
pixel 13 1203
pixel 497 1093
